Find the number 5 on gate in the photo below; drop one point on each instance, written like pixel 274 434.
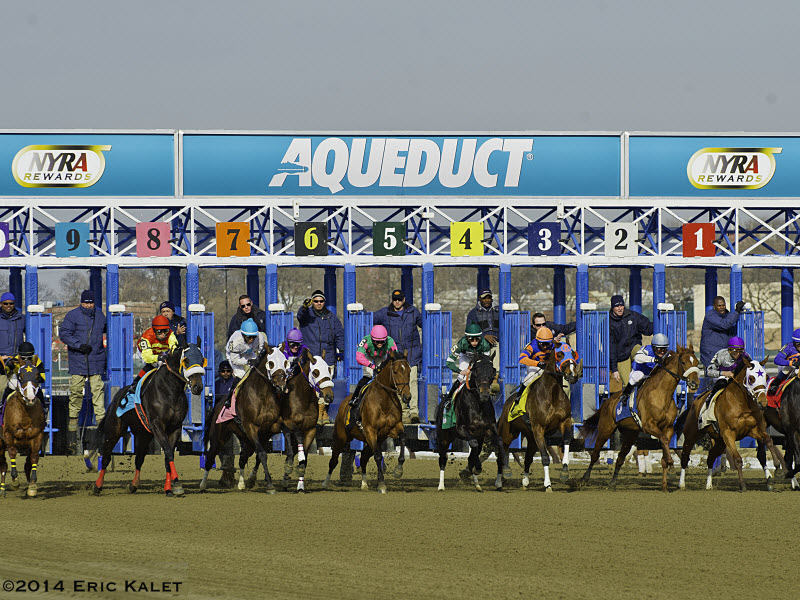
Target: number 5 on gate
pixel 233 239
pixel 466 239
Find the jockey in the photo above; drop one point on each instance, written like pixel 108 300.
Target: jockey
pixel 534 355
pixel 373 349
pixel 644 361
pixel 12 364
pixel 244 346
pixel 292 348
pixel 724 365
pixel 154 344
pixel 462 352
pixel 789 359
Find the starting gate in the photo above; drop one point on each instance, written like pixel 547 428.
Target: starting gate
pixel 119 350
pixel 279 322
pixel 437 335
pixel 200 323
pixel 515 327
pixel 751 329
pixel 672 323
pixel 39 331
pixel 357 324
pixel 594 349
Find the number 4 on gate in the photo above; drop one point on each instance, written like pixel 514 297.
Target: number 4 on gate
pixel 466 238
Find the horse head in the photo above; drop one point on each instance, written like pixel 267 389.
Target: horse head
pixel 319 374
pixel 194 366
pixel 568 364
pixel 277 366
pixel 482 375
pixel 688 366
pixel 755 382
pixel 27 381
pixel 399 375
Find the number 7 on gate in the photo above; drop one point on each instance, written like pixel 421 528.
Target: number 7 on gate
pixel 233 239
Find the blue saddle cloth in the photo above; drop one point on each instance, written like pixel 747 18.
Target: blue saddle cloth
pixel 623 411
pixel 134 396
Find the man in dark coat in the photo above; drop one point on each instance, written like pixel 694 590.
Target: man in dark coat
pixel 403 322
pixel 539 320
pixel 82 332
pixel 625 331
pixel 12 331
pixel 322 329
pixel 176 322
pixel 486 315
pixel 719 325
pixel 247 310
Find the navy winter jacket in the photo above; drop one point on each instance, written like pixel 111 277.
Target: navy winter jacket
pixel 488 319
pixel 717 330
pixel 12 328
pixel 258 315
pixel 557 328
pixel 624 333
pixel 403 327
pixel 321 332
pixel 81 326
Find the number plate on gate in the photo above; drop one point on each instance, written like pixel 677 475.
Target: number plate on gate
pixel 543 239
pixel 152 239
pixel 388 239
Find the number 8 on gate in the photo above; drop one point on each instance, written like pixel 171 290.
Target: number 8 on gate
pixel 152 239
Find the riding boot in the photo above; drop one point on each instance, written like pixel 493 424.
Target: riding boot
pixel 359 387
pixel 72 437
pixel 626 393
pixel 718 385
pixel 776 382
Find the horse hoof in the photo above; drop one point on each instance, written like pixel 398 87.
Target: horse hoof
pixel 32 490
pixel 770 488
pixel 507 473
pixel 132 488
pixel 612 486
pixel 440 488
pixel 364 485
pixel 249 484
pixel 779 473
pixel 301 488
pixel 465 475
pixel 178 490
pixel 15 483
pixel 285 484
pixel 169 494
pixel 398 471
pixel 564 477
pixel 270 490
pixel 382 488
pixel 478 488
pixel 548 489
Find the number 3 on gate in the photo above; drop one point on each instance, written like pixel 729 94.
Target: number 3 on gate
pixel 233 239
pixel 466 239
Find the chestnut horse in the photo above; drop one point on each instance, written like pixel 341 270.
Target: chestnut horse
pixel 547 410
pixel 738 415
pixel 657 411
pixel 381 418
pixel 23 426
pixel 258 413
pixel 164 403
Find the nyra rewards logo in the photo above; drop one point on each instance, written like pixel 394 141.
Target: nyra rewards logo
pixel 732 168
pixel 59 166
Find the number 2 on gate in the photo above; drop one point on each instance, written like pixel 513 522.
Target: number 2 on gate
pixel 466 238
pixel 621 239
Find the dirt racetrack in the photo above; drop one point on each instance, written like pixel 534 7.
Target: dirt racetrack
pixel 413 542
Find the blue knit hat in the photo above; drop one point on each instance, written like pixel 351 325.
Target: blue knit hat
pixel 7 296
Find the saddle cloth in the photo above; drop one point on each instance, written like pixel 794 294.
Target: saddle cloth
pixel 134 396
pixel 226 414
pixel 706 415
pixel 519 407
pixel 775 401
pixel 623 410
pixel 353 415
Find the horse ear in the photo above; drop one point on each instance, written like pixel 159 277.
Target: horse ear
pixel 691 347
pixel 199 342
pixel 405 353
pixel 323 353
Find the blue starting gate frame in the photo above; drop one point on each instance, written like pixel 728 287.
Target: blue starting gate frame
pixel 751 328
pixel 437 333
pixel 39 331
pixel 514 336
pixel 672 323
pixel 279 322
pixel 594 349
pixel 200 323
pixel 357 324
pixel 120 349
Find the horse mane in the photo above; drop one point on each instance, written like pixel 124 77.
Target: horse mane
pixel 174 357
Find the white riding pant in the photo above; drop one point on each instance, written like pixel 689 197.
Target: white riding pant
pixel 530 375
pixel 463 365
pixel 636 377
pixel 788 370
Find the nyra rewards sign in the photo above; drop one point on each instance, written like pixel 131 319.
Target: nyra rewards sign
pixel 41 166
pixel 732 168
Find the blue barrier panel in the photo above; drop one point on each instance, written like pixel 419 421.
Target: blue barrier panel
pixel 437 340
pixel 39 332
pixel 594 349
pixel 200 323
pixel 672 323
pixel 357 325
pixel 279 322
pixel 119 349
pixel 515 333
pixel 751 329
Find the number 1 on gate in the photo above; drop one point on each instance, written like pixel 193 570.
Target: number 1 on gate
pixel 698 240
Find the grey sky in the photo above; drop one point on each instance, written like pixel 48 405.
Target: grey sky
pixel 437 66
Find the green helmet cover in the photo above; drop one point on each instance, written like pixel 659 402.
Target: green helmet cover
pixel 474 330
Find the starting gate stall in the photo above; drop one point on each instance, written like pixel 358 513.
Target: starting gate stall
pixel 200 323
pixel 672 323
pixel 514 336
pixel 357 324
pixel 751 329
pixel 39 331
pixel 119 351
pixel 594 349
pixel 436 378
pixel 279 322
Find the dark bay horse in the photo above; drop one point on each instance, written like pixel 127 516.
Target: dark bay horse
pixel 165 405
pixel 790 422
pixel 474 420
pixel 258 415
pixel 738 415
pixel 381 418
pixel 23 427
pixel 547 410
pixel 657 411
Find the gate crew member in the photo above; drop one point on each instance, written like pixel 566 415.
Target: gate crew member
pixel 625 331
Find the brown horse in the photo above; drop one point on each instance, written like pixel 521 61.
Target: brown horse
pixel 23 427
pixel 381 418
pixel 738 415
pixel 258 415
pixel 657 411
pixel 547 410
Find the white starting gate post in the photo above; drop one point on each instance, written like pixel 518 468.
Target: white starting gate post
pixel 39 330
pixel 200 323
pixel 120 356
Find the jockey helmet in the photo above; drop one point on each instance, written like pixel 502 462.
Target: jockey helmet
pixel 378 333
pixel 249 328
pixel 294 336
pixel 736 343
pixel 660 341
pixel 544 334
pixel 796 335
pixel 474 330
pixel 26 350
pixel 160 322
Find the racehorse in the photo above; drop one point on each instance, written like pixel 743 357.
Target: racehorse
pixel 790 422
pixel 547 410
pixel 381 418
pixel 257 417
pixel 738 415
pixel 164 406
pixel 301 411
pixel 657 411
pixel 23 426
pixel 474 413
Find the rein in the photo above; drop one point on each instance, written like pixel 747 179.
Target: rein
pixel 393 391
pixel 178 375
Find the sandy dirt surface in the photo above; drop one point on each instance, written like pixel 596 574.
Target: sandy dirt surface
pixel 413 542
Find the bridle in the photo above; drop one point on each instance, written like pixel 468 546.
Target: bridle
pixel 679 378
pixel 394 391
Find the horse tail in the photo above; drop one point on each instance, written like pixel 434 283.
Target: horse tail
pixel 680 423
pixel 589 428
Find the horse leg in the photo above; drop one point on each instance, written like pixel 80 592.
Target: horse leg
pixel 730 446
pixel 262 456
pixel 530 450
pixel 398 470
pixel 3 469
pixel 666 456
pixel 303 458
pixel 109 436
pixel 247 450
pixel 690 435
pixel 766 440
pixel 474 463
pixel 366 454
pixel 172 486
pixel 12 455
pixel 628 438
pixel 31 465
pixel 538 435
pixel 211 453
pixel 292 449
pixel 442 446
pixel 716 450
pixel 142 446
pixel 566 435
pixel 378 454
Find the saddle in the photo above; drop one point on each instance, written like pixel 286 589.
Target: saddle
pixel 629 409
pixel 775 400
pixel 353 417
pixel 519 408
pixel 705 415
pixel 134 395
